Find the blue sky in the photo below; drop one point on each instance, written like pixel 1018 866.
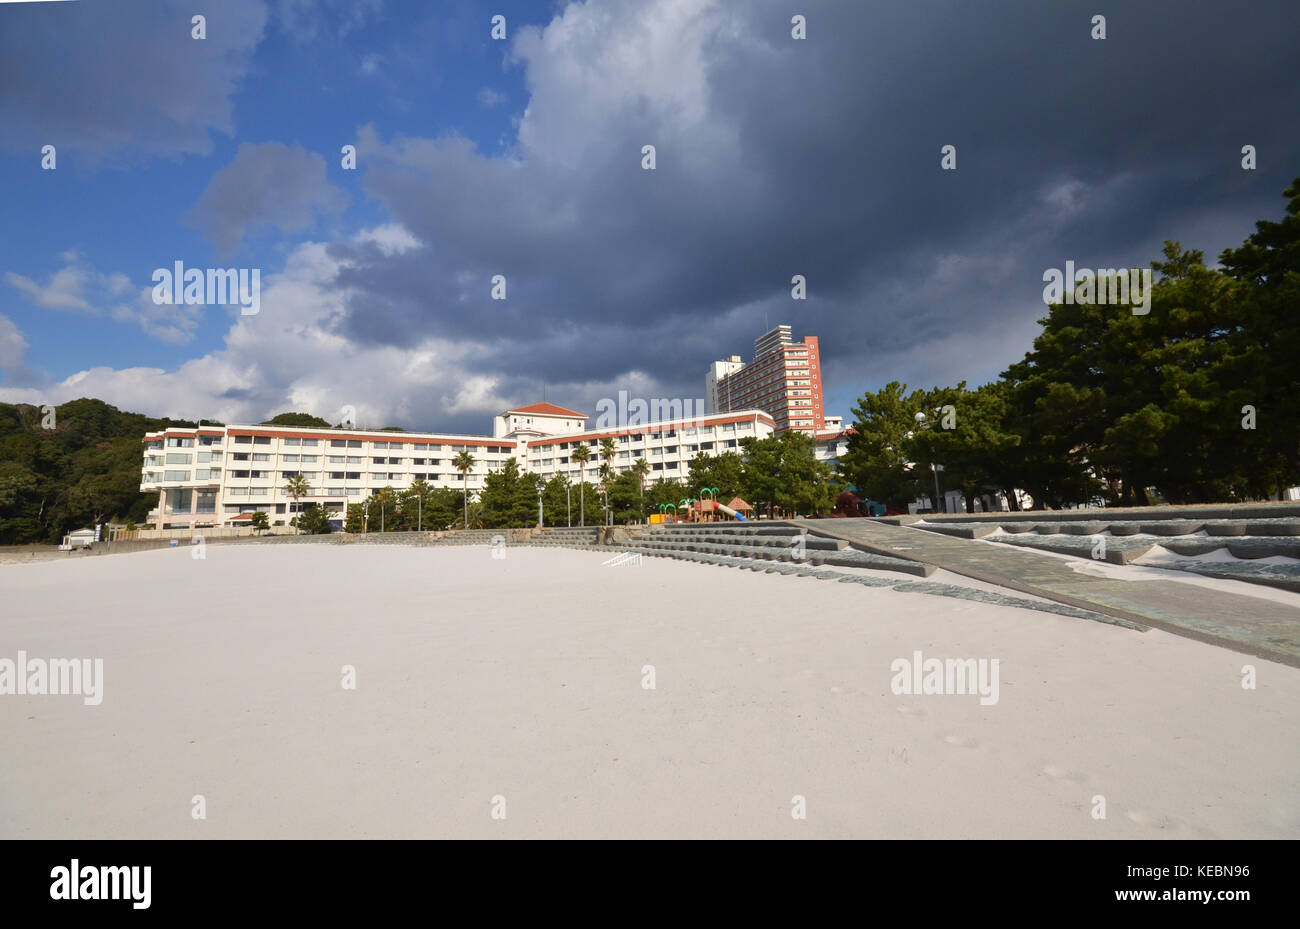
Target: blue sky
pixel 522 157
pixel 315 76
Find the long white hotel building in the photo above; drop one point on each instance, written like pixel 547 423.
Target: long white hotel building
pixel 217 476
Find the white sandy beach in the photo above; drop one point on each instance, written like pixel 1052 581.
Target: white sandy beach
pixel 522 678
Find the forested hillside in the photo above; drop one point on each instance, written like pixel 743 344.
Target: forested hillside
pixel 83 470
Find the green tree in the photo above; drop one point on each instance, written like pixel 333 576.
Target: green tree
pixel 464 463
pixel 314 520
pixel 783 471
pixel 356 519
pixel 1261 352
pixel 297 419
pixel 725 472
pixel 413 502
pixel 509 498
pixel 641 468
pixel 877 460
pixel 383 504
pixel 296 487
pixel 260 522
pixel 581 453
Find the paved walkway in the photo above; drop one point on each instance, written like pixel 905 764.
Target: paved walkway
pixel 1245 624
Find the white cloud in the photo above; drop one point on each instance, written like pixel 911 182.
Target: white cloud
pixel 13 352
pixel 79 287
pixel 291 356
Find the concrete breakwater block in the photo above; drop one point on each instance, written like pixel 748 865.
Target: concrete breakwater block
pixel 1125 528
pixel 1073 528
pixel 1225 527
pixel 1171 527
pixel 1273 527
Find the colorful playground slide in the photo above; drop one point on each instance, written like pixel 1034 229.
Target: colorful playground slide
pixel 729 512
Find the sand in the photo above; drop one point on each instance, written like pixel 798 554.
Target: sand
pixel 521 679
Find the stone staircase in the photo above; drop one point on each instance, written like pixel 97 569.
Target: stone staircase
pixel 776 543
pixel 1127 540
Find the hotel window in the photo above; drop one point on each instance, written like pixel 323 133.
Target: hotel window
pixel 239 474
pixel 377 475
pixel 178 459
pixel 309 458
pixel 354 459
pixel 202 457
pixel 210 440
pixel 259 474
pixel 337 459
pixel 309 443
pixel 395 461
pixel 180 443
pixel 353 476
pixel 336 475
pixel 176 475
pixel 376 461
pixel 291 441
pixel 380 444
pixel 394 476
pixel 262 457
pixel 335 491
pixel 354 491
pixel 418 461
pixel 257 491
pixel 261 440
pixel 338 443
pixel 706 446
pixel 397 446
pixel 288 458
pixel 237 491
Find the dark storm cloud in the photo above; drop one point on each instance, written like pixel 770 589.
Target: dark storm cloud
pixel 268 184
pixel 821 158
pixel 102 77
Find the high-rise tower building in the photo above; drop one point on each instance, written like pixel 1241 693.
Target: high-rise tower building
pixel 784 380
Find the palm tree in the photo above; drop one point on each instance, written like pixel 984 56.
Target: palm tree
pixel 297 488
pixel 581 454
pixel 606 478
pixel 641 468
pixel 419 491
pixel 464 462
pixel 608 451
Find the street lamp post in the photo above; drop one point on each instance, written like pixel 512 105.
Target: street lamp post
pixel 939 504
pixel 539 506
pixel 568 503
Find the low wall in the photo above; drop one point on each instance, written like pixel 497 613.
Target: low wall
pixel 1268 510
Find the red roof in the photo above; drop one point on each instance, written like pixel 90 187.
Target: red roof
pixel 547 409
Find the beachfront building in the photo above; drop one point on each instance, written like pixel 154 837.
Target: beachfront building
pixel 215 476
pixel 667 446
pixel 784 380
pixel 832 440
